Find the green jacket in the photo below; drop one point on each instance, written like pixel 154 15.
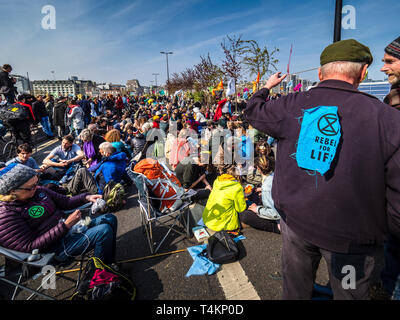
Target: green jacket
pixel 226 200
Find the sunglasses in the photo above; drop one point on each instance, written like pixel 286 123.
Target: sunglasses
pixel 31 188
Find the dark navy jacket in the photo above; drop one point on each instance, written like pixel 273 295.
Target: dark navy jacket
pixel 353 206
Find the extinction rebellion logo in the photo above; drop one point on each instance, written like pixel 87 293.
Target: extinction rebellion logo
pixel 36 211
pixel 326 125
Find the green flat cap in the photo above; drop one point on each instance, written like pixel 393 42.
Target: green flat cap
pixel 346 50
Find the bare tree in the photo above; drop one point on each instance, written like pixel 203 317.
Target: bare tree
pixel 231 64
pixel 257 60
pixel 207 73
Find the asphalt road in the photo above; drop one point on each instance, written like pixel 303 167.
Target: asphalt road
pixel 163 277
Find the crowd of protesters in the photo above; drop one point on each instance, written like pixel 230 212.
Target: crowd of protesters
pixel 227 153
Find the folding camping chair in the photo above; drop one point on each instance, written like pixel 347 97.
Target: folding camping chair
pixel 16 265
pixel 151 217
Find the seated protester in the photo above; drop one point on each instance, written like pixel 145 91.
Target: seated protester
pixel 61 158
pixel 264 217
pixel 112 167
pixel 191 173
pixel 24 153
pixel 114 137
pixel 91 143
pixel 32 217
pixel 225 202
pixel 138 142
pixel 254 175
pixel 128 133
pixel 164 124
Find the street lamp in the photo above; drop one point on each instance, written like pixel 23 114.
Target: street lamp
pixel 156 74
pixel 338 21
pixel 166 55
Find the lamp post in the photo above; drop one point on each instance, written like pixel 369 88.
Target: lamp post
pixel 166 55
pixel 338 21
pixel 156 74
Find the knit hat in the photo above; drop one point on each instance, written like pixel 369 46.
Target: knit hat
pixel 393 48
pixel 14 176
pixel 346 50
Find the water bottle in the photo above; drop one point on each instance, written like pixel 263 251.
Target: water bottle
pixel 34 256
pixel 396 291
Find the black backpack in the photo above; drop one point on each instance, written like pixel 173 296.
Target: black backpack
pixel 13 112
pixel 222 248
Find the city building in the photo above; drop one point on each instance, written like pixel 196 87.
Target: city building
pixel 134 88
pixel 23 84
pixel 64 87
pixel 378 89
pixel 111 89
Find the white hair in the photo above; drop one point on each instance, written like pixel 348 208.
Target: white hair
pixel 107 147
pixel 349 69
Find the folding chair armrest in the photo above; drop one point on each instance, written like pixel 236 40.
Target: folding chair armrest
pixel 86 205
pixel 22 257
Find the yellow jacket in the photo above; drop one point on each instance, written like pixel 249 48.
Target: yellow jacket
pixel 226 200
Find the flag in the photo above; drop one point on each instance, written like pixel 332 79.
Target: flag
pixel 297 88
pixel 220 86
pixel 291 47
pixel 290 84
pixel 254 86
pixel 231 87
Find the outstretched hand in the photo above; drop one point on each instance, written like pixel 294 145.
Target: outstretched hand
pixel 93 197
pixel 274 80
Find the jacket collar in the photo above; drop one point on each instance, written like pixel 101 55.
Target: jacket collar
pixel 341 85
pixel 337 84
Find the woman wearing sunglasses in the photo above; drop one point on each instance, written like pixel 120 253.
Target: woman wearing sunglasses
pixel 32 217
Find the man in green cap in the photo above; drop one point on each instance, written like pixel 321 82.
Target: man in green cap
pixel 336 183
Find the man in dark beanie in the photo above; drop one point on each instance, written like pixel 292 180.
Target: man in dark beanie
pixel 336 184
pixel 391 68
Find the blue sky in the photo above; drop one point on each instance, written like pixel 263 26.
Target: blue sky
pixel 114 41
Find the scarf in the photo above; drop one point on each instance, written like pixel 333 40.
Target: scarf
pixel 90 152
pixel 71 108
pixel 393 98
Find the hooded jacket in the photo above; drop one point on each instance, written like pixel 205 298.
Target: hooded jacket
pixel 111 168
pixel 225 202
pixel 36 224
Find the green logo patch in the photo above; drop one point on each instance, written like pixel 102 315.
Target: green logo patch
pixel 36 211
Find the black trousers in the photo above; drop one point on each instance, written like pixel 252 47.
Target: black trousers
pixel 21 130
pixel 349 274
pixel 250 218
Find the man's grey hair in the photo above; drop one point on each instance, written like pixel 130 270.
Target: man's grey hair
pixel 349 69
pixel 107 147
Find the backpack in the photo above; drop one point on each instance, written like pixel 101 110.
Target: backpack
pixel 222 248
pixel 162 183
pixel 114 196
pixel 13 112
pixel 103 282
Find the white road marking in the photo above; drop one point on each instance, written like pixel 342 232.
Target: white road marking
pixel 234 281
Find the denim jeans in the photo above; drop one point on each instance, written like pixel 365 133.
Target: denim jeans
pixel 102 238
pixel 46 126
